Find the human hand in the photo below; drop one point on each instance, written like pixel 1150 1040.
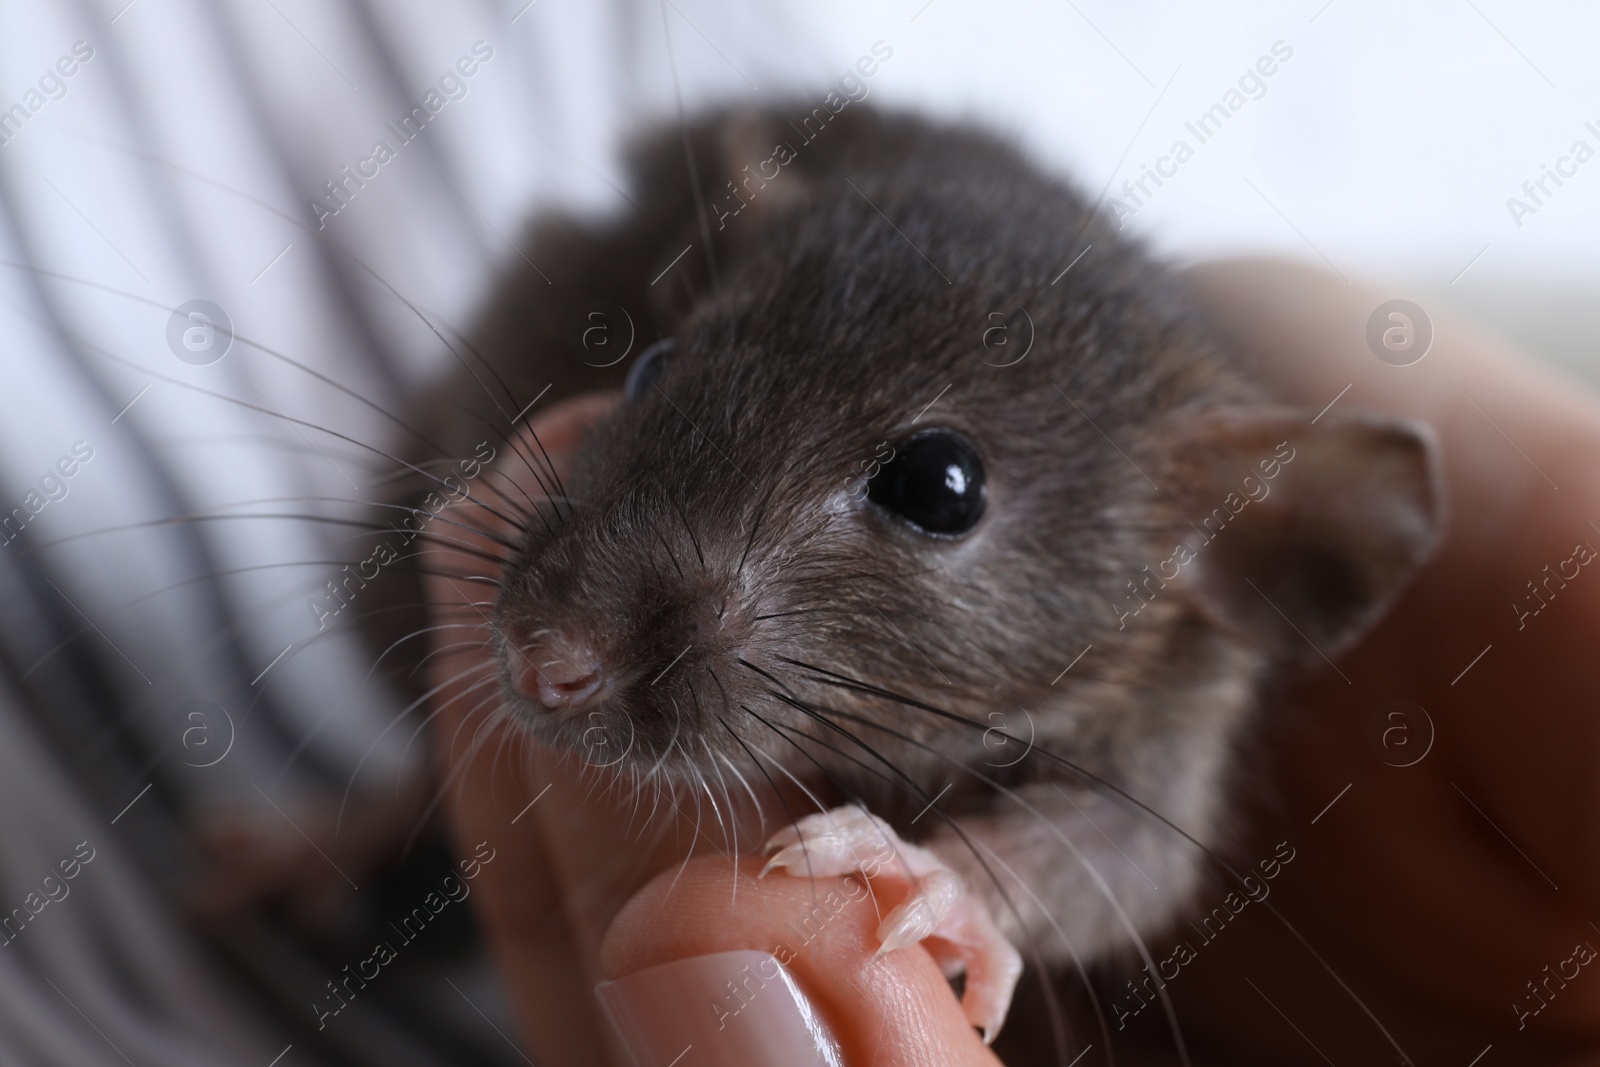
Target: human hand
pixel 1436 891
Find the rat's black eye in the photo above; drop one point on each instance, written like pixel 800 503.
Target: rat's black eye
pixel 934 481
pixel 646 369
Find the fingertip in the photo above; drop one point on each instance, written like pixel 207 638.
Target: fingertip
pixel 894 1010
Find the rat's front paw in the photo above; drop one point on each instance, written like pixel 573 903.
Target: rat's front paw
pixel 937 908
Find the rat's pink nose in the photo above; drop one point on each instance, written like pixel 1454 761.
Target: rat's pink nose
pixel 560 678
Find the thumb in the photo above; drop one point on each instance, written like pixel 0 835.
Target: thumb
pixel 775 970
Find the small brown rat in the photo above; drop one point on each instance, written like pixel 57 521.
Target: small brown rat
pixel 1018 602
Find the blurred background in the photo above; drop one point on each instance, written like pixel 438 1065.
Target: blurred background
pixel 165 672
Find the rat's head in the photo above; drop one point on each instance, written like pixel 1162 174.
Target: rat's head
pixel 835 525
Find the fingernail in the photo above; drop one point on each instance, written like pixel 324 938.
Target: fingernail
pixel 730 1009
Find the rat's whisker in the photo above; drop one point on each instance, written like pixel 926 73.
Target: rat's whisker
pixel 754 803
pixel 445 649
pixel 705 787
pixel 1208 855
pixel 462 765
pixel 273 412
pixel 671 555
pixel 777 765
pixel 699 780
pixel 365 526
pixel 422 632
pixel 320 241
pixel 489 481
pixel 738 776
pixel 401 717
pixel 732 827
pixel 775 681
pixel 802 611
pixel 86 346
pixel 1043 820
pixel 761 514
pixel 821 714
pixel 894 773
pixel 511 421
pixel 693 540
pixel 482 683
pixel 895 778
pixel 783 801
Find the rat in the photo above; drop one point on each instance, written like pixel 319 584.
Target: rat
pixel 929 491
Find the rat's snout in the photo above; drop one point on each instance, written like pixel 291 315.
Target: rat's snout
pixel 560 673
pixel 618 621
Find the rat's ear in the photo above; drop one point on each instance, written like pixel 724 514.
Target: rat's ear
pixel 760 181
pixel 1305 532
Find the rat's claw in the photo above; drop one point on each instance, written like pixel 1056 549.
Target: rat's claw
pixel 830 843
pixel 993 965
pixel 918 917
pixel 936 909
